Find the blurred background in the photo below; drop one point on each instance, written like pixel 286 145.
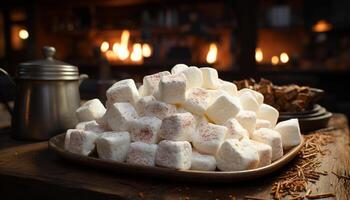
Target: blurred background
pixel 285 41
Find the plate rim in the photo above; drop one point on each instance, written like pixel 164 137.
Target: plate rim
pixel 167 173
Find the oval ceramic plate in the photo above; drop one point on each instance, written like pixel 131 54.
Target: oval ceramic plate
pixel 56 144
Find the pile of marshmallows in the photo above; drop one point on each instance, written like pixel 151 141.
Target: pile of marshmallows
pixel 186 119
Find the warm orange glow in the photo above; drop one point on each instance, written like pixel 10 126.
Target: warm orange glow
pixel 23 34
pixel 322 26
pixel 124 39
pixel 274 60
pixel 258 55
pixel 136 54
pixel 104 46
pixel 212 53
pixel 146 50
pixel 284 57
pixel 115 48
pixel 111 56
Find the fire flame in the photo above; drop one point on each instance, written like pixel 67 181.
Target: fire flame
pixel 212 53
pixel 104 46
pixel 284 57
pixel 259 56
pixel 274 60
pixel 146 50
pixel 136 54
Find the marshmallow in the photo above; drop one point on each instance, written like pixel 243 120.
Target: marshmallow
pixel 247 119
pixel 123 91
pixel 174 154
pixel 67 137
pixel 145 129
pixel 178 126
pixel 214 94
pixel 272 138
pixel 142 91
pixel 172 89
pixel 178 68
pixel 269 113
pixel 210 78
pixel 223 108
pixel 142 154
pixel 119 116
pixel 290 133
pixel 92 126
pixel 208 137
pixel 113 146
pixel 234 155
pixel 258 96
pixel 90 110
pixel 248 100
pixel 202 162
pixel 197 101
pixel 151 82
pixel 265 153
pixel 159 109
pixel 235 130
pixel 228 87
pixel 261 123
pixel 81 142
pixel 194 78
pixel 142 103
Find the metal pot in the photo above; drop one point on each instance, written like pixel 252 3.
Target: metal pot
pixel 46 98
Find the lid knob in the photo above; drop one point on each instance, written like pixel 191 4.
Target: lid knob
pixel 49 52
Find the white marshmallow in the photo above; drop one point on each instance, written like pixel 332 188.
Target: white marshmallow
pixel 119 116
pixel 81 142
pixel 258 96
pixel 265 153
pixel 210 78
pixel 174 154
pixel 123 91
pixel 261 123
pixel 178 127
pixel 142 103
pixel 269 113
pixel 248 100
pixel 90 110
pixel 202 162
pixel 223 108
pixel 228 87
pixel 67 137
pixel 214 94
pixel 172 89
pixel 142 154
pixel 290 133
pixel 234 155
pixel 194 78
pixel 197 101
pixel 247 119
pixel 145 129
pixel 141 90
pixel 151 82
pixel 208 137
pixel 92 126
pixel 113 146
pixel 235 130
pixel 272 138
pixel 178 68
pixel 159 109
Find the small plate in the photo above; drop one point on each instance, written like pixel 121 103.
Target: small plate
pixel 56 144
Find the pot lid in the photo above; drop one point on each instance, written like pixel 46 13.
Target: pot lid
pixel 47 68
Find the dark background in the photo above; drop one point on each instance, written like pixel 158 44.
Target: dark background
pixel 314 35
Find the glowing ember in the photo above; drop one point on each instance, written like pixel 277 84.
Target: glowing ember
pixel 104 46
pixel 111 56
pixel 284 57
pixel 274 60
pixel 146 50
pixel 212 53
pixel 258 55
pixel 136 54
pixel 322 26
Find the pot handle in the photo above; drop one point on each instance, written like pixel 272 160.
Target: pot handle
pixel 10 110
pixel 82 77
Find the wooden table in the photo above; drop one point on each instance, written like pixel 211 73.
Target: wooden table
pixel 30 170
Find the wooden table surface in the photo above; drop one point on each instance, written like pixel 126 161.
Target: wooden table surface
pixel 31 170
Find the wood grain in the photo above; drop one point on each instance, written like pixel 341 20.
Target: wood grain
pixel 30 170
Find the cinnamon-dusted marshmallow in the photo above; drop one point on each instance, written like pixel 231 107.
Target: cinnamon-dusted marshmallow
pixel 228 87
pixel 269 113
pixel 151 82
pixel 142 154
pixel 119 116
pixel 197 101
pixel 174 154
pixel 142 103
pixel 248 100
pixel 223 108
pixel 247 119
pixel 258 96
pixel 172 89
pixel 113 146
pixel 178 68
pixel 90 110
pixel 92 126
pixel 178 126
pixel 145 129
pixel 235 130
pixel 202 162
pixel 80 141
pixel 210 78
pixel 265 153
pixel 123 91
pixel 261 123
pixel 194 78
pixel 272 138
pixel 159 109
